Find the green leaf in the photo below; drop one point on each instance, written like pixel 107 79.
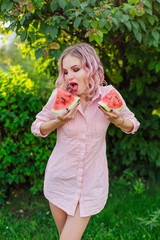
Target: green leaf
pixel 32 36
pixel 43 27
pixel 98 39
pixel 23 36
pixel 38 53
pixel 149 11
pixel 125 17
pixel 53 32
pixel 91 38
pixel 102 22
pixel 75 3
pixel 3 7
pixel 129 26
pixel 54 6
pixel 135 25
pixel 147 3
pixel 62 3
pixel 155 18
pixel 152 65
pixel 22 20
pixel 115 21
pixel 127 7
pixel 57 53
pixel 155 43
pixel 157 67
pixel 83 5
pixel 94 24
pixel 108 26
pixel 142 24
pixel 40 3
pixel 139 37
pixel 8 6
pixel 130 1
pixel 77 22
pixel 151 20
pixel 118 15
pixel 48 29
pixel 85 23
pixel 155 34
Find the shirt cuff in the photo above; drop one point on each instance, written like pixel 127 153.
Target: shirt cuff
pixel 135 127
pixel 36 130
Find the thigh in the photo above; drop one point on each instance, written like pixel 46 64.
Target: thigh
pixel 74 226
pixel 59 216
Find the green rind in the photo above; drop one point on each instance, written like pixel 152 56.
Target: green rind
pixel 77 99
pixel 103 105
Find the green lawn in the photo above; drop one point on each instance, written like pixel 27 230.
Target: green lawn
pixel 131 213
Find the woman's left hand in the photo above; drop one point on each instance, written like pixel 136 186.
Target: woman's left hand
pixel 113 116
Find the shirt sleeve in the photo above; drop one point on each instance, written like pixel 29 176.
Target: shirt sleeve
pixel 44 116
pixel 126 113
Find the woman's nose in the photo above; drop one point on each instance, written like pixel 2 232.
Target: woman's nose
pixel 70 75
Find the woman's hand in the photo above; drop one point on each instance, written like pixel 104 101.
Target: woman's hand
pixel 113 116
pixel 47 127
pixel 67 115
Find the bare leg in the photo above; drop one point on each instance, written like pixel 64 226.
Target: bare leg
pixel 59 216
pixel 74 226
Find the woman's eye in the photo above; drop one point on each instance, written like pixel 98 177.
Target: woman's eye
pixel 76 69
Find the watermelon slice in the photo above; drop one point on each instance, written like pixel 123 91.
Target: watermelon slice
pixel 112 100
pixel 64 100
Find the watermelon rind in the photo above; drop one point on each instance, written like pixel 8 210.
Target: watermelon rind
pixel 103 105
pixel 77 99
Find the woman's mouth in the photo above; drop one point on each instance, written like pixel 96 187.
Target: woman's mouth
pixel 74 86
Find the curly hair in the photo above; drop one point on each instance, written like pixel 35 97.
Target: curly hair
pixel 90 62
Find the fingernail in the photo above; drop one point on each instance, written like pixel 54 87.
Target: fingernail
pixel 78 103
pixel 67 109
pixel 98 106
pixel 111 110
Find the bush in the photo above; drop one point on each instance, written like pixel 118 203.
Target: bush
pixel 23 157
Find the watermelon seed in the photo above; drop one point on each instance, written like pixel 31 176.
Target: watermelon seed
pixel 63 99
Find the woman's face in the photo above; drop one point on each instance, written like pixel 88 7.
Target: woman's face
pixel 75 75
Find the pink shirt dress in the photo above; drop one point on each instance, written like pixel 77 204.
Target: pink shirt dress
pixel 77 169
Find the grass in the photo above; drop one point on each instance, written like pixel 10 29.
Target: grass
pixel 132 212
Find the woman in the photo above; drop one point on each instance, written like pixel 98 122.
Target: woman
pixel 76 177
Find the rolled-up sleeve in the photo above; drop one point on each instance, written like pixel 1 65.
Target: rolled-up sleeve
pixel 127 114
pixel 44 116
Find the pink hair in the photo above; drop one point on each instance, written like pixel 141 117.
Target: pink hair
pixel 90 61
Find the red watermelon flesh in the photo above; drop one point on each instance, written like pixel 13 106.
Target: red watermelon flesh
pixel 64 100
pixel 112 100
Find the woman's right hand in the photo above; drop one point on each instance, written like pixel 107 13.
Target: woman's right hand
pixel 67 114
pixel 47 127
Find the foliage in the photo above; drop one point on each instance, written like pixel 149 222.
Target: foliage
pixel 90 20
pixel 153 220
pixel 126 36
pixel 23 157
